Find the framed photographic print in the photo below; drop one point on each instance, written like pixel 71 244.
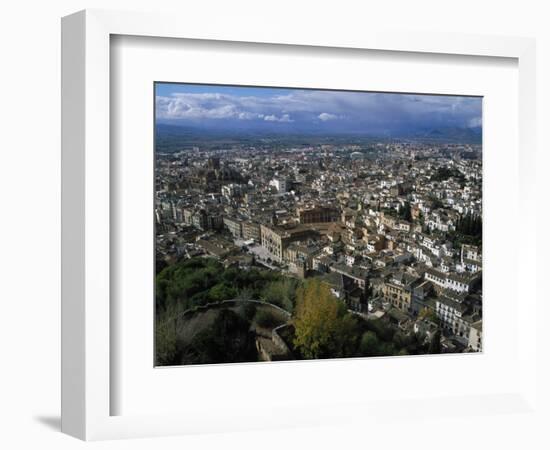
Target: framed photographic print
pixel 266 227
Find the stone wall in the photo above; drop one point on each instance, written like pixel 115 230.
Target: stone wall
pixel 229 303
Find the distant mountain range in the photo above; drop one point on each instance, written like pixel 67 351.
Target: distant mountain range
pixel 452 134
pixel 171 137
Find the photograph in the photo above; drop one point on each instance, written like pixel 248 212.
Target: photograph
pixel 294 223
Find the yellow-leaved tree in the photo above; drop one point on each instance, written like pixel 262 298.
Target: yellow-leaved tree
pixel 323 327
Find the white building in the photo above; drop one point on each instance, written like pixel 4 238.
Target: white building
pixel 459 283
pixel 280 184
pixel 450 312
pixel 475 337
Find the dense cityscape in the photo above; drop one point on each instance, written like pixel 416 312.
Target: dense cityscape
pixel 279 249
pixel 394 232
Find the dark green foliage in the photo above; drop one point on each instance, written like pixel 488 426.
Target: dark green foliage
pixel 245 294
pixel 401 340
pixel 435 343
pixel 372 345
pixel 444 173
pixel 160 264
pixel 387 349
pixel 166 336
pixel 348 337
pixel 469 229
pixel 369 344
pixel 227 340
pixel 265 319
pixel 221 291
pixel 248 310
pixel 405 212
pixel 470 225
pixel 383 329
pixel 436 203
pixel 281 293
pixel 198 281
pixel 166 349
pixel 187 283
pixel 384 339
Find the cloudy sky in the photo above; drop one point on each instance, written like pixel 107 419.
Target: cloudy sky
pixel 285 110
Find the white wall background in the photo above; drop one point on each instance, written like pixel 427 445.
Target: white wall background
pixel 29 226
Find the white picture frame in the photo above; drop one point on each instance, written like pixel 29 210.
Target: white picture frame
pixel 86 216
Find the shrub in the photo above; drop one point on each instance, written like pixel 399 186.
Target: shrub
pixel 265 319
pixel 228 339
pixel 248 310
pixel 369 344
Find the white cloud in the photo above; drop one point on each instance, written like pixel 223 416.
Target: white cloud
pixel 327 116
pixel 274 118
pixel 196 106
pixel 474 122
pixel 302 106
pixel 249 116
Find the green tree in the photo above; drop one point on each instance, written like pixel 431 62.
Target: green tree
pixel 323 327
pixel 346 337
pixel 428 314
pixel 281 293
pixel 221 292
pixel 166 337
pixel 435 343
pixel 369 344
pixel 470 225
pixel 401 340
pixel 184 282
pixel 383 329
pixel 245 294
pixel 196 281
pixel 227 340
pixel 247 310
pixel 166 345
pixel 405 212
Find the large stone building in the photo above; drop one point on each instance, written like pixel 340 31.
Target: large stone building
pixel 251 230
pixel 459 283
pixel 453 313
pixel 276 239
pixel 399 296
pixel 318 214
pixel 234 226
